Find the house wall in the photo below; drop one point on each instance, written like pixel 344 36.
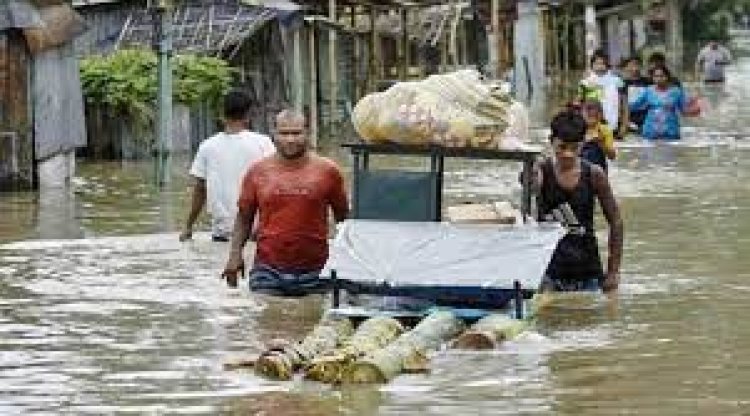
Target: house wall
pixel 16 144
pixel 59 124
pixel 104 24
pixel 262 74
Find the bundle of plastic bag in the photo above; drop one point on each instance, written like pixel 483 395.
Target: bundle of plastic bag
pixel 455 109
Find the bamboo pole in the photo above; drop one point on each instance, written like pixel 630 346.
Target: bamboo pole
pixel 334 89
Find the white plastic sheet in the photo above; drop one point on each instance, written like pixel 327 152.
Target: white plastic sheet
pixel 443 254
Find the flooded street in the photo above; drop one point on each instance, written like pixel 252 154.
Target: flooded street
pixel 103 311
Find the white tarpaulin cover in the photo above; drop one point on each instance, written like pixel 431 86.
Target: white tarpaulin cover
pixel 443 254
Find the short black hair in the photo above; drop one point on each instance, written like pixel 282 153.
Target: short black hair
pixel 599 54
pixel 657 58
pixel 568 126
pixel 664 69
pixel 236 105
pixel 636 59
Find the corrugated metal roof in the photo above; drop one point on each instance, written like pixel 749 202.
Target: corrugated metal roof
pixel 211 27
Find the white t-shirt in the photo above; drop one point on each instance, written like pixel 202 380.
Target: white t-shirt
pixel 713 61
pixel 222 161
pixel 607 89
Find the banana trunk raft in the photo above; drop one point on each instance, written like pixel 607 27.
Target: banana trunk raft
pixel 489 332
pixel 380 348
pixel 281 361
pixel 372 335
pixel 408 352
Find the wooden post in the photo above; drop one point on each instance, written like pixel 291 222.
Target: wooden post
pixel 375 60
pixel 313 87
pixel 592 39
pixel 464 43
pixel 163 33
pixel 297 78
pixel 332 64
pixel 404 58
pixel 566 46
pixel 494 39
pixel 444 51
pixel 674 35
pixel 555 53
pixel 355 46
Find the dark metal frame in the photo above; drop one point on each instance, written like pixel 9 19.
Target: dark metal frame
pixel 361 153
pixel 451 296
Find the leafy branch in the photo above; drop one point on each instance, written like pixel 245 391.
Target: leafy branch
pixel 126 81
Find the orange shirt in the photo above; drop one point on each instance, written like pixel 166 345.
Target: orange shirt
pixel 292 201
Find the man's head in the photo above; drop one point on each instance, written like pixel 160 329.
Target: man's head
pixel 632 67
pixel 656 59
pixel 568 133
pixel 599 62
pixel 237 106
pixel 291 134
pixel 713 44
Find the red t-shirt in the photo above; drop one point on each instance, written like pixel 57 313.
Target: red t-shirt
pixel 292 201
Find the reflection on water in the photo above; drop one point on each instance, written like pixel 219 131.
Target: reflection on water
pixel 103 311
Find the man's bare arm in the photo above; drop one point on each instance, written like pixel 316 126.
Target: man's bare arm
pixel 616 229
pixel 198 201
pixel 338 199
pixel 241 233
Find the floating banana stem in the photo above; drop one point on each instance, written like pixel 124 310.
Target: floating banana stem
pixel 489 332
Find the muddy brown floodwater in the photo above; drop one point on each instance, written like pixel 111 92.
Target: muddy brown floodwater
pixel 103 311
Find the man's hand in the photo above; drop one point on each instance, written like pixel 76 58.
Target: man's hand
pixel 235 267
pixel 611 282
pixel 186 234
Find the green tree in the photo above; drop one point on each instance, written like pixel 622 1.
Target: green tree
pixel 710 19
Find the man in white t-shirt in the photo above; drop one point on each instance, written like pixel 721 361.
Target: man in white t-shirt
pixel 220 165
pixel 711 61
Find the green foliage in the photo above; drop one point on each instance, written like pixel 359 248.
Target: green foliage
pixel 710 19
pixel 126 81
pixel 200 79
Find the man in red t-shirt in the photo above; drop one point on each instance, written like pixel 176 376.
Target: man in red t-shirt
pixel 290 193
